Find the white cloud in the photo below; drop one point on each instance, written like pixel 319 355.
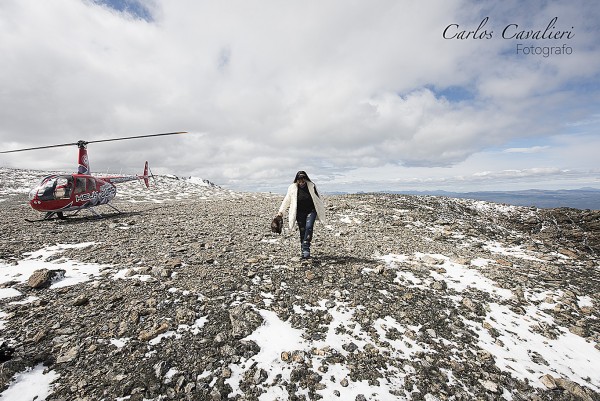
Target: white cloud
pixel 332 87
pixel 533 149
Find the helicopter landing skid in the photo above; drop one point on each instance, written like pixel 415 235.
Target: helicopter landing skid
pixel 98 215
pixel 114 208
pixel 49 216
pixel 60 216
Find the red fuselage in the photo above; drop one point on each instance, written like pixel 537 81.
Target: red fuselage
pixel 57 193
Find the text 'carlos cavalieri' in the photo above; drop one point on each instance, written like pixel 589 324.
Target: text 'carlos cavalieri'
pixel 514 32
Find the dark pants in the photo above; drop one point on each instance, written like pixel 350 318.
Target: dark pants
pixel 306 222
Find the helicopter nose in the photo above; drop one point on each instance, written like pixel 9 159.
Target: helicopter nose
pixel 33 193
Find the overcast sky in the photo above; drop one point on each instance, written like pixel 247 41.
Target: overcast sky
pixel 363 95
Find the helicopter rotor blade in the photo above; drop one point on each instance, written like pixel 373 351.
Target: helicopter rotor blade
pixel 39 147
pixel 101 140
pixel 136 137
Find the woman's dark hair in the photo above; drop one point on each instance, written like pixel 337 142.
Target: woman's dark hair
pixel 301 174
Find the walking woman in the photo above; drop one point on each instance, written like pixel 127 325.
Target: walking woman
pixel 305 206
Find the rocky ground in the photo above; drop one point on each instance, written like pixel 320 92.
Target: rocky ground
pixel 406 298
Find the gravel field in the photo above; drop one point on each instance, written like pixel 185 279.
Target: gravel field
pixel 187 295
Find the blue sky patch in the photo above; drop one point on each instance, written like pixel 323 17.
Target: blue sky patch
pixel 453 93
pixel 132 7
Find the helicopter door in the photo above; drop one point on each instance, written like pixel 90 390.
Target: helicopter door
pixel 91 184
pixel 79 185
pixel 63 187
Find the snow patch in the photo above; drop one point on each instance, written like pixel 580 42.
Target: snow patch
pixel 33 384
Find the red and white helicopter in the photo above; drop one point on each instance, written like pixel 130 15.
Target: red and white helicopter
pixel 60 193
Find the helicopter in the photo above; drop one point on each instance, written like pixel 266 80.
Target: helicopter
pixel 57 194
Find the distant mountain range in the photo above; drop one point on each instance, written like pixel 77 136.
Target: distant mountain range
pixel 584 198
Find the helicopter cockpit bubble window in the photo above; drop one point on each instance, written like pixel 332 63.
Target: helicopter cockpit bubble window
pixel 45 189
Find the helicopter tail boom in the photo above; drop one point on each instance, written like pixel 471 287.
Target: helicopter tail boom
pixel 126 178
pixel 145 176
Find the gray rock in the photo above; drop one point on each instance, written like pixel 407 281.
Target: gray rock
pixel 244 320
pixel 575 389
pixel 44 278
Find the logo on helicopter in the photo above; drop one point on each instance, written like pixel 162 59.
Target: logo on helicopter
pixel 107 192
